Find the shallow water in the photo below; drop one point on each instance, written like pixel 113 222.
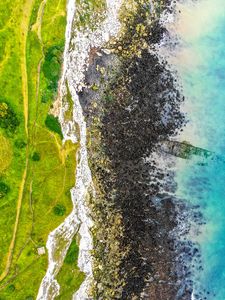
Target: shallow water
pixel 200 61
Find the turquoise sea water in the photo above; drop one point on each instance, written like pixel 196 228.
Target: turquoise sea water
pixel 201 65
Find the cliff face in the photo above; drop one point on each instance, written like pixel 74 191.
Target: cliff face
pixel 131 103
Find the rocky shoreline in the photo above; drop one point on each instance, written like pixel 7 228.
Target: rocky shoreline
pixel 131 103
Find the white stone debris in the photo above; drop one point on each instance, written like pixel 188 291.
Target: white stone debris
pixel 76 54
pixel 41 250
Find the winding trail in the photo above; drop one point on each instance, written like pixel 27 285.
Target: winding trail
pixel 37 28
pixel 12 244
pixel 24 30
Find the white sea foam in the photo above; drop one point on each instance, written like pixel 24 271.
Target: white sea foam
pixel 76 55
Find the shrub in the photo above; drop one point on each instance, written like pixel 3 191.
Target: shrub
pixel 4 189
pixel 36 156
pixel 8 118
pixel 59 210
pixel 52 123
pixel 11 288
pixel 20 144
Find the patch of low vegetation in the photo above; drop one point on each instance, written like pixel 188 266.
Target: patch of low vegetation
pixel 36 156
pixel 52 123
pixel 4 189
pixel 59 210
pixel 72 254
pixel 70 277
pixel 5 153
pixel 20 144
pixel 11 288
pixel 69 102
pixel 51 70
pixel 8 118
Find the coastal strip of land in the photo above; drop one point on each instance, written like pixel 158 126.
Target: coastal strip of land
pixel 39 170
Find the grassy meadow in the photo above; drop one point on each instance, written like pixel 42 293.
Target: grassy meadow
pixel 36 170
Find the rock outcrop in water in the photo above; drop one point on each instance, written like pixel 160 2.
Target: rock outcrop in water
pixel 184 150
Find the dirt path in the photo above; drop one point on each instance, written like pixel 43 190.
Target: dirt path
pixel 37 28
pixel 24 30
pixel 11 247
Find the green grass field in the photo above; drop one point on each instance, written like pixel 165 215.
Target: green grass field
pixel 69 276
pixel 36 170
